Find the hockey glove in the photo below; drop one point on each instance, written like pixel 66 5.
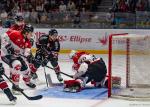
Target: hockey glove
pixel 10 49
pixel 45 61
pixel 30 58
pixel 1 69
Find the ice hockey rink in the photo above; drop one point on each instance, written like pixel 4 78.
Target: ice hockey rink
pixel 53 96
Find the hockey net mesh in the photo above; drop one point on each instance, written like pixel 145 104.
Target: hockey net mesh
pixel 130 60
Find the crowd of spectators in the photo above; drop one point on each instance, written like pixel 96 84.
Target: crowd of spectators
pixel 76 12
pixel 130 5
pixel 37 11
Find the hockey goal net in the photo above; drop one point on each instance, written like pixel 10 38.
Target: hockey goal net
pixel 129 59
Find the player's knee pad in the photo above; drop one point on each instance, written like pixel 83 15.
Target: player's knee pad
pixel 72 86
pixel 26 79
pixel 33 68
pixel 16 78
pixel 57 68
pixel 3 85
pixel 16 65
pixel 26 76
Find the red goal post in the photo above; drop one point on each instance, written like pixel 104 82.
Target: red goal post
pixel 129 59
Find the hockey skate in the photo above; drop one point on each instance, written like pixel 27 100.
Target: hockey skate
pixel 16 89
pixel 59 77
pixel 34 76
pixel 10 96
pixel 13 99
pixel 31 85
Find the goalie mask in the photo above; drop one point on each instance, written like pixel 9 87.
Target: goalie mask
pixel 85 58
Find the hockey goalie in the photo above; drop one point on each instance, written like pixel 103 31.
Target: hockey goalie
pixel 92 70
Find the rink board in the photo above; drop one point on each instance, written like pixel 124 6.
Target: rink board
pixel 87 93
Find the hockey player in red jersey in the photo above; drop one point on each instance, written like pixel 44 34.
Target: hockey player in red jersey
pixel 15 44
pixel 75 55
pixel 91 69
pixel 18 26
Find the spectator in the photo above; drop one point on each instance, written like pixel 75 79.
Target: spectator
pixel 44 17
pixel 26 15
pixel 0 24
pixel 34 16
pixel 16 8
pixel 9 21
pixel 77 19
pixel 93 7
pixel 123 7
pixel 3 15
pixel 71 6
pixel 62 7
pixel 39 6
pixel 140 5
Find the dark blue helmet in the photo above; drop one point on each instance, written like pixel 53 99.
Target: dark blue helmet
pixel 19 18
pixel 28 28
pixel 53 31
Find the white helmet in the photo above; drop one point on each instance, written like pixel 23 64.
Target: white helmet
pixel 72 54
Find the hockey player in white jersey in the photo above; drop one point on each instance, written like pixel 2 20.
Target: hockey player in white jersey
pixel 15 44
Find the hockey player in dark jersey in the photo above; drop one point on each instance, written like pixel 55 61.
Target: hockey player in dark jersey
pixel 48 48
pixel 91 69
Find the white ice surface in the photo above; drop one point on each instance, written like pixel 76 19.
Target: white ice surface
pixel 59 102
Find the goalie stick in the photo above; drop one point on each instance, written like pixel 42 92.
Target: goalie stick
pixel 29 98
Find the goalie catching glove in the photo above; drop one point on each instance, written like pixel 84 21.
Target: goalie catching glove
pixel 73 86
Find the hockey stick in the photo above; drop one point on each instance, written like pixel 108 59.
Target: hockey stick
pixel 49 67
pixel 71 76
pixel 29 98
pixel 46 77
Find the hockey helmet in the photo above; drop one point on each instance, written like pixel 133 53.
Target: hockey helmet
pixel 72 54
pixel 28 28
pixel 19 18
pixel 85 58
pixel 53 31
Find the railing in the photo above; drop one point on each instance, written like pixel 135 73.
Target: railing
pixel 86 20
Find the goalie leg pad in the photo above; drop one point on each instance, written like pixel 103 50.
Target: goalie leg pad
pixel 72 86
